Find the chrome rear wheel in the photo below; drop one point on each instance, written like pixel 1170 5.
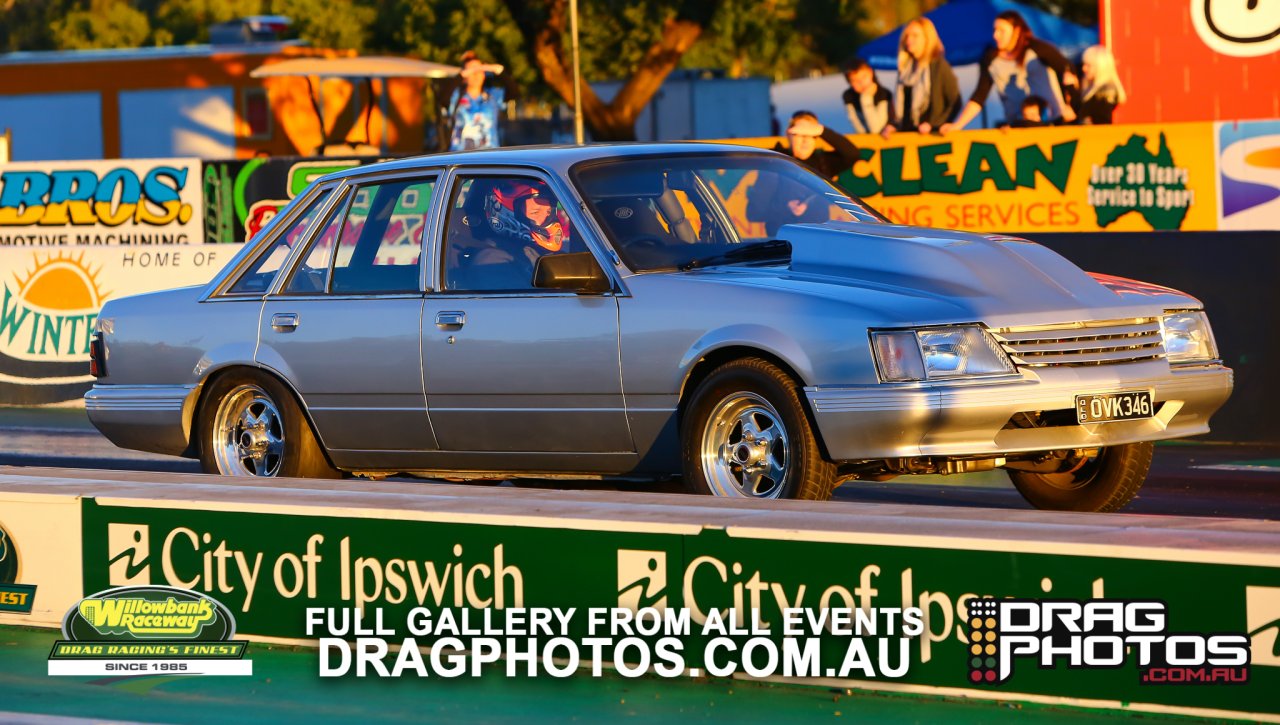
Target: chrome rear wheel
pixel 250 424
pixel 248 434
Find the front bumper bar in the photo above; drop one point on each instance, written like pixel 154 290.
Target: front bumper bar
pixel 972 418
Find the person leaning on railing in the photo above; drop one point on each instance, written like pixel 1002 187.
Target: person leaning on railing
pixel 927 95
pixel 870 107
pixel 1020 65
pixel 1102 91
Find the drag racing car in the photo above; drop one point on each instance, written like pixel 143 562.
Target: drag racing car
pixel 710 312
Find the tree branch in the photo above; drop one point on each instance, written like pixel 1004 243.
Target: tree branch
pixel 544 34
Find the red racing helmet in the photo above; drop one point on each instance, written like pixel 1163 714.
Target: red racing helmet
pixel 507 213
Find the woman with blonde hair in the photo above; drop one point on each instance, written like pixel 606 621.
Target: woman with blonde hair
pixel 927 94
pixel 1102 90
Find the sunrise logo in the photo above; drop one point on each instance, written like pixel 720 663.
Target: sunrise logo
pixel 62 281
pixel 48 311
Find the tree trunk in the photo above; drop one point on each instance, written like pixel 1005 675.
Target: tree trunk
pixel 616 120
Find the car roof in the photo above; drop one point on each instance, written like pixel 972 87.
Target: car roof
pixel 552 158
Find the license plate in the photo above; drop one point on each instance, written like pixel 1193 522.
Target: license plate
pixel 1106 407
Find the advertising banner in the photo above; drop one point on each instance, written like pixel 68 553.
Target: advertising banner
pixel 242 195
pixel 50 299
pixel 1249 174
pixel 1055 179
pixel 92 203
pixel 269 568
pixel 1065 179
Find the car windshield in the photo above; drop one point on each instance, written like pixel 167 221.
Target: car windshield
pixel 679 212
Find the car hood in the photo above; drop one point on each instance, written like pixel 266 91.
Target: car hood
pixel 1000 280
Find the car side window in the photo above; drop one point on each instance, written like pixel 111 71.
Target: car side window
pixel 312 273
pixel 259 276
pixel 374 248
pixel 497 229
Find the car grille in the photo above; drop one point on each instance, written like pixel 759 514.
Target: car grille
pixel 1109 342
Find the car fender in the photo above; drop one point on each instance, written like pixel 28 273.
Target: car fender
pixel 773 341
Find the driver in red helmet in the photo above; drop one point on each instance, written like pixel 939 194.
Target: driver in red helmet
pixel 525 211
pixel 526 225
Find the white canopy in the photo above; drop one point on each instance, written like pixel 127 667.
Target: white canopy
pixel 361 67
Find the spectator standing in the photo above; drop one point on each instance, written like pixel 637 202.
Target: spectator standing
pixel 476 106
pixel 870 106
pixel 802 138
pixel 927 94
pixel 1102 90
pixel 1020 65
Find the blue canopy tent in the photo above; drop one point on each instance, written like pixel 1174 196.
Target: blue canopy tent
pixel 965 29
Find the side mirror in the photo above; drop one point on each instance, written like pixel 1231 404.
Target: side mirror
pixel 577 272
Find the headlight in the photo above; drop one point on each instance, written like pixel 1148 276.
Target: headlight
pixel 938 353
pixel 1187 338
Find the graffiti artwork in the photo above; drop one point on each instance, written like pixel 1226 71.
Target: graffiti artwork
pixel 242 196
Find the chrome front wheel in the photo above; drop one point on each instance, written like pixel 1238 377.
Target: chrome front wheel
pixel 745 434
pixel 248 434
pixel 744 448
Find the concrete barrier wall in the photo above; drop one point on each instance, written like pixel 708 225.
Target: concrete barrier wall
pixel 269 550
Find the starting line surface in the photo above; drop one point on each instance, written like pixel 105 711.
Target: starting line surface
pixel 80 532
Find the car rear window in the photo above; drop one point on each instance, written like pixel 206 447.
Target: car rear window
pixel 259 276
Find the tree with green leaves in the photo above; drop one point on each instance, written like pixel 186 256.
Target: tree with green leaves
pixel 638 42
pixel 103 24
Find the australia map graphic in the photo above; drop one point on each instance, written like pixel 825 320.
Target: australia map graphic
pixel 1136 181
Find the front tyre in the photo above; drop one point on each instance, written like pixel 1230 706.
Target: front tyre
pixel 250 425
pixel 1105 482
pixel 745 434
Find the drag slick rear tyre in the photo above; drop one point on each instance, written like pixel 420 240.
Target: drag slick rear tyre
pixel 745 434
pixel 250 425
pixel 1105 482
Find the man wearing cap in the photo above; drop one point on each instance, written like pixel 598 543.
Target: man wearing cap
pixel 474 107
pixel 775 202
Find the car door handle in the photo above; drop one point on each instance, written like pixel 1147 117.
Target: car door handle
pixel 284 321
pixel 450 320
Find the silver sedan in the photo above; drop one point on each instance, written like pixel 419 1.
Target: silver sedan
pixel 647 311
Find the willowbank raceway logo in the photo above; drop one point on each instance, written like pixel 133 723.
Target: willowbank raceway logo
pixel 14 597
pixel 149 630
pixel 1100 634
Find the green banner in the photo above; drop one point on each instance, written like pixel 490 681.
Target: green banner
pixel 267 568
